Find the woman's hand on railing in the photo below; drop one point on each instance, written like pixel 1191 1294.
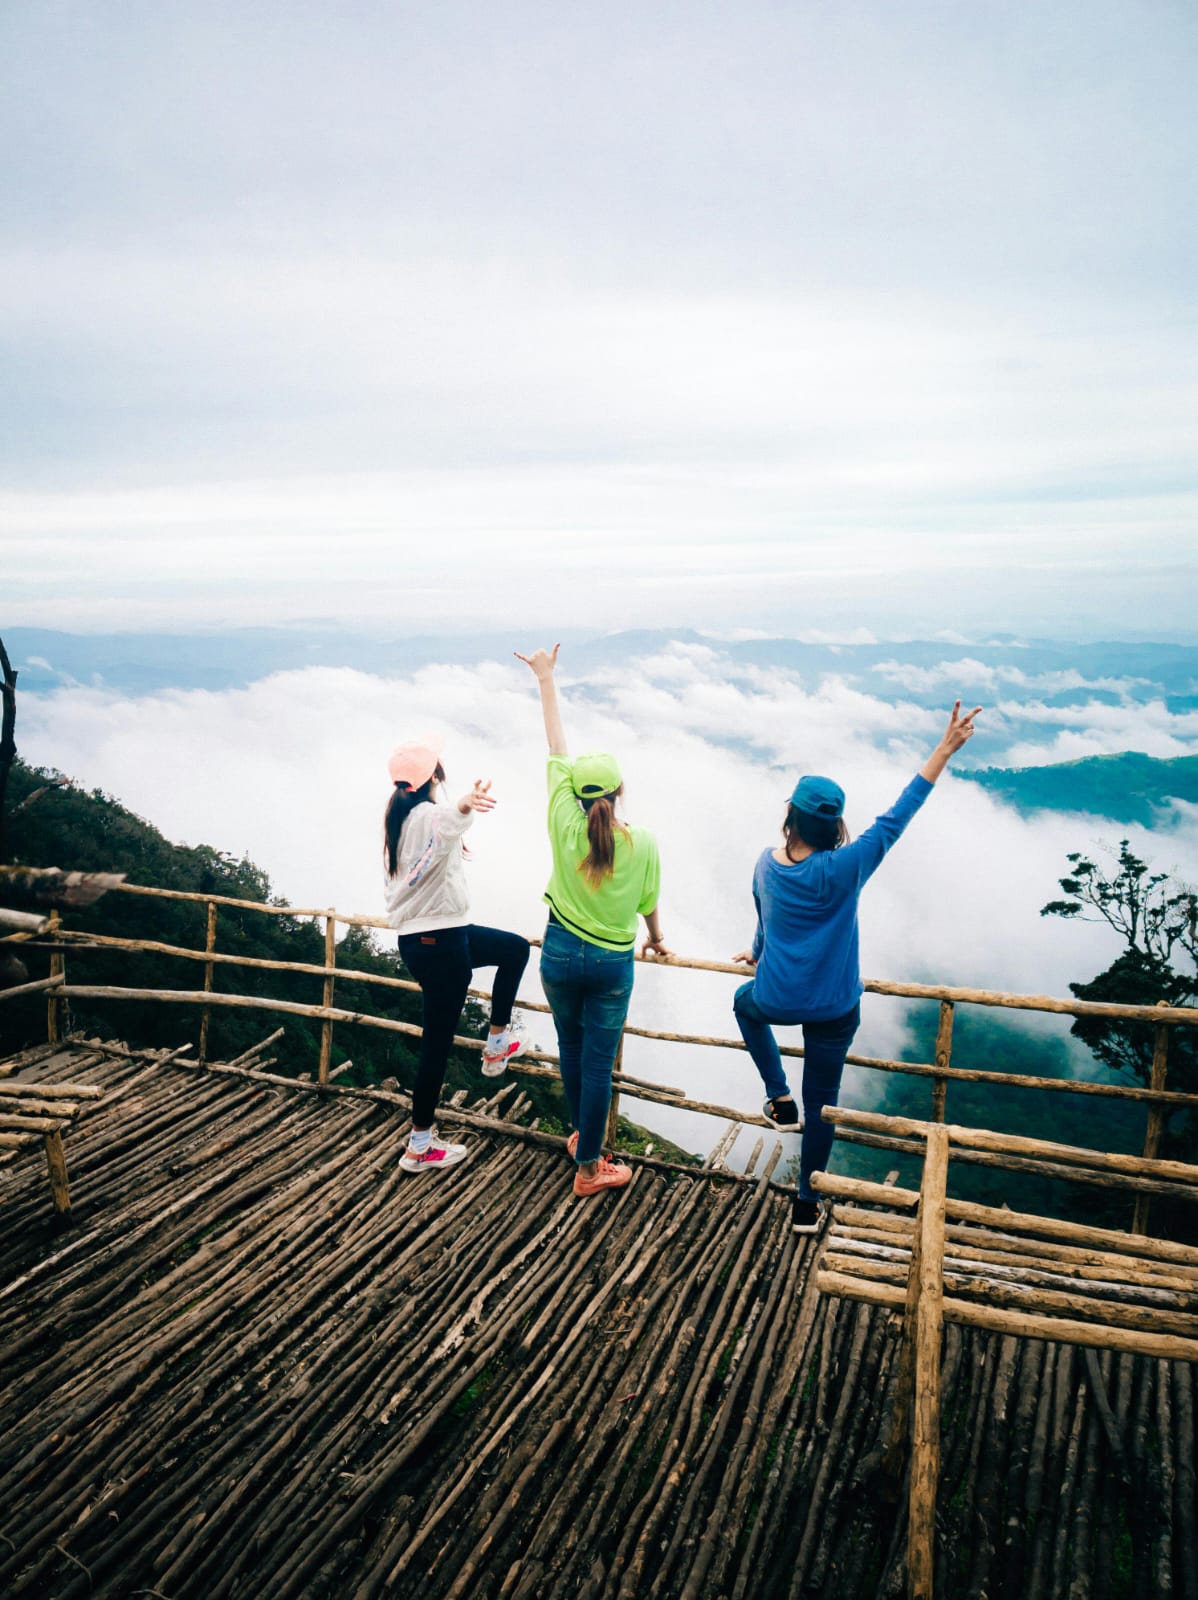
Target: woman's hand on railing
pixel 656 947
pixel 746 958
pixel 479 798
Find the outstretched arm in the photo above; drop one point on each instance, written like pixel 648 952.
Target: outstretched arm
pixel 958 732
pixel 542 663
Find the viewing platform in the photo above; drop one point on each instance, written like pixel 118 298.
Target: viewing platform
pixel 262 1361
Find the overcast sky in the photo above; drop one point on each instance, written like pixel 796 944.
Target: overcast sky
pixel 775 314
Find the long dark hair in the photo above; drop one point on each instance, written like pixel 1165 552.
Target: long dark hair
pixel 600 860
pixel 818 833
pixel 403 802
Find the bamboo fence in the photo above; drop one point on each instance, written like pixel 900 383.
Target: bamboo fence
pixel 1011 1275
pixel 1157 1097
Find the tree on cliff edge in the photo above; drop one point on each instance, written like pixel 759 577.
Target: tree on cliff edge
pixel 1157 919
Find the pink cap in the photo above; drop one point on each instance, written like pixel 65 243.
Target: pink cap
pixel 415 763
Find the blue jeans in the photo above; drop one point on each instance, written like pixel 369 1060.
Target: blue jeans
pixel 588 990
pixel 825 1045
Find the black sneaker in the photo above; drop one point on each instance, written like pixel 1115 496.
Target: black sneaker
pixel 805 1216
pixel 782 1113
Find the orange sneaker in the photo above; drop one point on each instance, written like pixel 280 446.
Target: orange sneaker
pixel 607 1175
pixel 572 1145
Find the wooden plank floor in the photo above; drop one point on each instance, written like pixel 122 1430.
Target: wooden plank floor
pixel 265 1363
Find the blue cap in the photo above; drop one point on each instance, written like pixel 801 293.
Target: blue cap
pixel 819 797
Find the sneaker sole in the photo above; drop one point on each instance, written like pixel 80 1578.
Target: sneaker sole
pixel 495 1068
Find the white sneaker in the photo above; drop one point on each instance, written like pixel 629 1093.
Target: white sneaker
pixel 431 1159
pixel 510 1045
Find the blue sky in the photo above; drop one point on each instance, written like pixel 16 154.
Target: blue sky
pixel 779 316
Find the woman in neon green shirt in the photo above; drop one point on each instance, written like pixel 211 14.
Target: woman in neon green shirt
pixel 605 875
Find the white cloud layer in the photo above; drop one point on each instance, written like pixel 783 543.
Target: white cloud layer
pixel 291 771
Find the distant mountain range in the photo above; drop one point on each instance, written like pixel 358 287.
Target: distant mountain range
pixel 1124 788
pixel 1032 689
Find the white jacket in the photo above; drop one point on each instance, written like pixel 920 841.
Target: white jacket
pixel 429 887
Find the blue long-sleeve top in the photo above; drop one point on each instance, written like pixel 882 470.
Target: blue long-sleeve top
pixel 806 944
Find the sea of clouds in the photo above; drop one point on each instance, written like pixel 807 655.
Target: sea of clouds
pixel 291 771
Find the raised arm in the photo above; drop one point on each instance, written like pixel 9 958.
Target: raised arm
pixel 959 731
pixel 542 663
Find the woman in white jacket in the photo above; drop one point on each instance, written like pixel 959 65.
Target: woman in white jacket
pixel 425 892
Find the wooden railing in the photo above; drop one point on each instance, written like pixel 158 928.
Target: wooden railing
pixel 1158 1098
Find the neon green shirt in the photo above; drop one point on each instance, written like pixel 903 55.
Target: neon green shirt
pixel 603 914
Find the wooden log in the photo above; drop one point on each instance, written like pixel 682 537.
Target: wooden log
pixel 1067 1262
pixel 23 921
pixel 723 1145
pixel 611 1134
pixel 247 1056
pixel 32 988
pixel 988 997
pixel 31 1104
pixel 1034 1002
pixel 944 1050
pixel 330 961
pixel 996 1291
pixel 209 974
pixel 50 1091
pixel 49 887
pixel 1023 1324
pixel 1074 1232
pixel 54 1002
pixel 56 1166
pixel 1035 1165
pixel 18 1122
pixel 1156 1120
pixel 1015 1144
pixel 925 1444
pixel 883 1194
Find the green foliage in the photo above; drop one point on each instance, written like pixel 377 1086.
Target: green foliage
pixel 1157 919
pixel 1129 787
pixel 1149 911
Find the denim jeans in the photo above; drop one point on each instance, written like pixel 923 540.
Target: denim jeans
pixel 825 1045
pixel 588 990
pixel 442 963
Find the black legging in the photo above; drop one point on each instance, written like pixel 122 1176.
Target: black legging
pixel 443 962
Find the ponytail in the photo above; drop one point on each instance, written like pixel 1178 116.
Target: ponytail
pixel 599 863
pixel 403 802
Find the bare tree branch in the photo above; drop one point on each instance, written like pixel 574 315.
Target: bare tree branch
pixel 8 743
pixel 30 799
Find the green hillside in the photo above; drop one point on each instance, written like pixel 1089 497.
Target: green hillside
pixel 1130 787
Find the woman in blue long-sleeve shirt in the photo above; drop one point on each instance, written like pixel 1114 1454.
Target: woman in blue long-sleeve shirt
pixel 805 947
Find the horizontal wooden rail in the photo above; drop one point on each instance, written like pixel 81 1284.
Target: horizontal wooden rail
pixel 961 1138
pixel 1024 1324
pixel 1186 1015
pixel 1128 1092
pixel 294 1008
pixel 32 988
pixel 1158 1099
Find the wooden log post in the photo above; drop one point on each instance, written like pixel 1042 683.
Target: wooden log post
pixel 1156 1120
pixel 613 1109
pixel 944 1052
pixel 929 1325
pixel 330 961
pixel 55 1002
pixel 209 971
pixel 56 1166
